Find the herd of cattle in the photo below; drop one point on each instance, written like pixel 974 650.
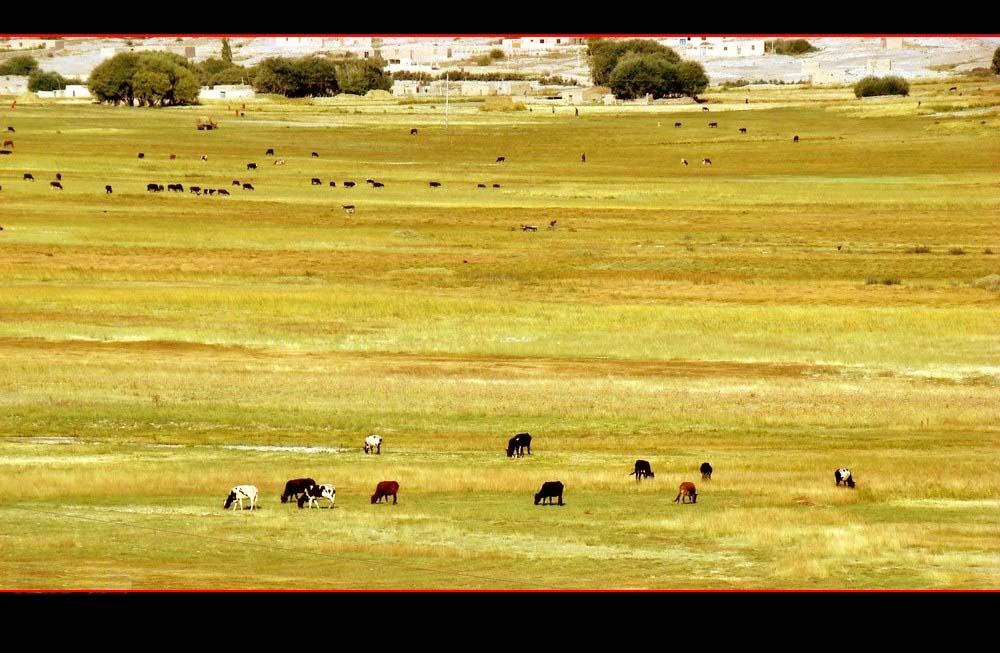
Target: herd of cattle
pixel 307 491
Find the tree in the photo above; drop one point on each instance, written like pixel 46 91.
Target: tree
pixel 605 54
pixel 691 77
pixel 40 80
pixel 996 62
pixel 636 74
pixel 891 85
pixel 146 79
pixel 362 75
pixel 227 52
pixel 20 65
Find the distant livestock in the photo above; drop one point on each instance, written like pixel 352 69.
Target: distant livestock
pixel 333 184
pixel 684 162
pixel 236 182
pixel 480 185
pixel 6 152
pixel 279 162
pixel 11 129
pixel 373 444
pixel 251 166
pixel 843 475
pixel 58 176
pixel 173 156
pixel 153 188
pixel 270 152
pixel 204 157
pixel 501 159
pixel 316 182
pixel 195 189
pixel 704 108
pixel 434 184
pixel 348 184
pixel 325 491
pixel 384 490
pixel 550 490
pixel 239 493
pixel 247 186
pixel 223 191
pixel 107 189
pixel 378 184
pixel 677 124
pixel 713 124
pixel 8 143
pixel 518 445
pixel 28 177
pixel 687 491
pixel 295 487
pixel 743 130
pixel 706 162
pixel 528 227
pixel 706 471
pixel 55 184
pixel 496 185
pixel 141 155
pixel 315 155
pixel 348 208
pixel 795 139
pixel 413 132
pixel 642 470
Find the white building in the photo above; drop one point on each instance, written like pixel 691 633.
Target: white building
pixel 536 44
pixel 819 75
pixel 717 47
pixel 71 91
pixel 227 92
pixel 878 66
pixel 13 84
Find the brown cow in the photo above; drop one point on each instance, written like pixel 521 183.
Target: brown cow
pixel 384 490
pixel 10 143
pixel 687 491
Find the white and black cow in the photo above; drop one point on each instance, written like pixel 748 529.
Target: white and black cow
pixel 843 475
pixel 319 491
pixel 373 444
pixel 239 493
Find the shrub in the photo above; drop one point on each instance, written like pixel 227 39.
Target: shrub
pixel 891 85
pixel 885 281
pixel 497 53
pixel 987 251
pixel 920 249
pixel 789 46
pixel 956 251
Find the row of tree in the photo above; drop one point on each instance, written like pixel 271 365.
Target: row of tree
pixel 38 79
pixel 639 67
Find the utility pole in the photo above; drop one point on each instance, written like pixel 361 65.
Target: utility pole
pixel 446 100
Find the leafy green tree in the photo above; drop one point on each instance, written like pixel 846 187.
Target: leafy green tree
pixel 227 52
pixel 362 75
pixel 605 54
pixel 636 74
pixel 891 85
pixel 40 80
pixel 691 77
pixel 996 62
pixel 22 64
pixel 146 79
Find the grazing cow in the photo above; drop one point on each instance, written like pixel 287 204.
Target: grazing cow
pixel 195 189
pixel 706 162
pixel 384 490
pixel 270 152
pixel 550 490
pixel 348 208
pixel 843 475
pixel 706 471
pixel 378 184
pixel 528 227
pixel 687 491
pixel 141 155
pixel 28 177
pixel 178 188
pixel 373 444
pixel 953 88
pixel 247 186
pixel 552 225
pixel 369 181
pixel 153 188
pixel 480 185
pixel 713 124
pixel 743 130
pixel 210 191
pixel 316 182
pixel 295 487
pixel 10 129
pixel 204 157
pixel 333 184
pixel 642 470
pixel 6 152
pixel 240 492
pixel 517 445
pixel 279 162
pixel 496 185
pixel 677 124
pixel 173 156
pixel 704 108
pixel 434 184
pixel 501 159
pixel 348 184
pixel 684 162
pixel 251 166
pixel 413 132
pixel 236 182
pixel 315 155
pixel 313 492
pixel 795 139
pixel 107 189
pixel 8 143
pixel 223 191
pixel 55 184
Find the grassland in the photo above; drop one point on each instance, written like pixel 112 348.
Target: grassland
pixel 156 349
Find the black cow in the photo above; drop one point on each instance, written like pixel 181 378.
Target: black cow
pixel 642 470
pixel 141 155
pixel 704 108
pixel 58 176
pixel 348 184
pixel 195 189
pixel 843 475
pixel 550 490
pixel 333 184
pixel 10 129
pixel 713 124
pixel 518 444
pixel 270 152
pixel 29 177
pixel 251 166
pixel 795 139
pixel 434 184
pixel 223 191
pixel 153 188
pixel 677 124
pixel 501 159
pixel 295 487
pixel 6 151
pixel 706 471
pixel 369 181
pixel 743 130
pixel 55 184
pixel 236 182
pixel 480 185
pixel 378 184
pixel 413 132
pixel 496 185
pixel 348 208
pixel 316 182
pixel 247 186
pixel 315 155
pixel 107 189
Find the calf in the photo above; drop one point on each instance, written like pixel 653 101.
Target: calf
pixel 843 475
pixel 239 493
pixel 642 470
pixel 687 491
pixel 314 492
pixel 373 443
pixel 384 490
pixel 55 184
pixel 295 487
pixel 706 472
pixel 550 490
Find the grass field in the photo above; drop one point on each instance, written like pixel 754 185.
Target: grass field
pixel 791 309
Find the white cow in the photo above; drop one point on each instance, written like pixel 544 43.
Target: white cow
pixel 319 491
pixel 240 492
pixel 373 443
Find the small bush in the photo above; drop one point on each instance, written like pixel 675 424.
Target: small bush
pixel 483 60
pixel 497 53
pixel 789 46
pixel 919 249
pixel 956 251
pixel 987 251
pixel 885 281
pixel 890 85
